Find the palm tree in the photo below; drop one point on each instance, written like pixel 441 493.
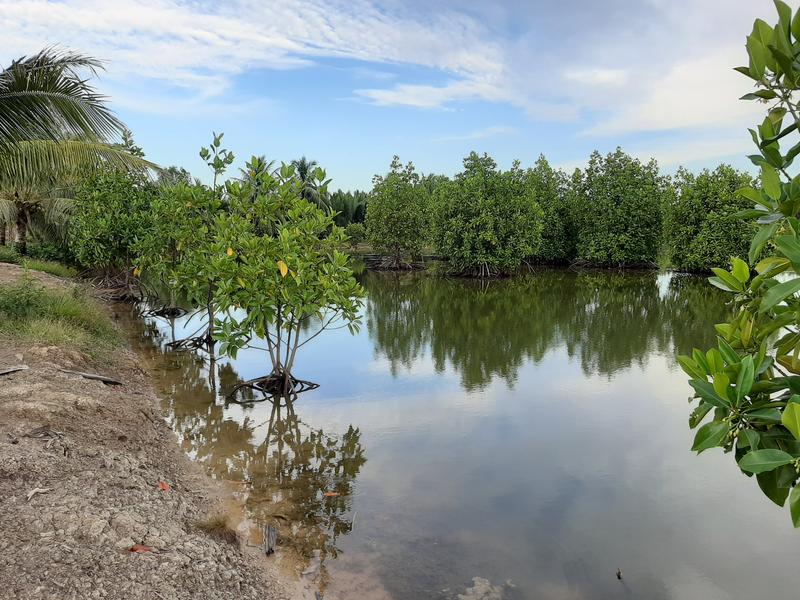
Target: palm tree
pixel 37 176
pixel 305 170
pixel 44 97
pixel 53 128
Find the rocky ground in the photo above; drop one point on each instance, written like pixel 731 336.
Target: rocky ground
pixel 96 498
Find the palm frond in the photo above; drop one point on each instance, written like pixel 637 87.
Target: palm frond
pixel 41 163
pixel 44 97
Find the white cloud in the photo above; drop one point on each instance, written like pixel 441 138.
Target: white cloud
pixel 617 69
pixel 479 134
pixel 701 92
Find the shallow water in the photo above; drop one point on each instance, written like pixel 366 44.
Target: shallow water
pixel 531 432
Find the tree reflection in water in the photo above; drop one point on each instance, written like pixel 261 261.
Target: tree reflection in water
pixel 608 320
pixel 297 478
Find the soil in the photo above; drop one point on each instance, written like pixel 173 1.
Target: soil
pixel 90 473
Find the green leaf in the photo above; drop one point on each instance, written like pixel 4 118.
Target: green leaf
pixel 768 482
pixel 745 379
pixel 779 293
pixel 706 391
pixel 771 182
pixel 791 419
pixel 710 435
pixel 760 461
pixel 759 240
pixel 760 95
pixel 699 413
pixel 740 270
pixel 690 367
pixel 728 353
pixel 752 437
pixel 794 505
pixel 728 279
pixel 769 415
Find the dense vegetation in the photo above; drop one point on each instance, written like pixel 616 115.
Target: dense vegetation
pixel 701 226
pixel 485 220
pixel 397 214
pixel 749 383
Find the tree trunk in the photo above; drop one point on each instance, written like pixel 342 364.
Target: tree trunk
pixel 22 230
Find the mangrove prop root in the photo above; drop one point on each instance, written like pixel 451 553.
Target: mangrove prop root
pixel 201 342
pixel 169 312
pixel 271 386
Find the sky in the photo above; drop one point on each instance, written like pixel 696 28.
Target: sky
pixel 352 83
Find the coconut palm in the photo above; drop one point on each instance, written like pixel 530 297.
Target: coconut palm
pixel 310 191
pixel 54 128
pixel 37 176
pixel 44 97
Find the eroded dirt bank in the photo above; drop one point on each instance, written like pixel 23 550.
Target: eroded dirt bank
pixel 90 472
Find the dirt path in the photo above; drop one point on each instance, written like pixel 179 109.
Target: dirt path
pixel 87 471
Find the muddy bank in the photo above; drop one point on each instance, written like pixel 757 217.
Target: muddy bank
pixel 98 500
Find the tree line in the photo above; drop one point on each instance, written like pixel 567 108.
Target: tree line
pixel 615 212
pixel 83 198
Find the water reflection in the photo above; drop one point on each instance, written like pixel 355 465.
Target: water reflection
pixel 295 477
pixel 524 429
pixel 609 321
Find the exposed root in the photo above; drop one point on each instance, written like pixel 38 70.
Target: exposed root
pixel 272 387
pixel 201 342
pixel 168 312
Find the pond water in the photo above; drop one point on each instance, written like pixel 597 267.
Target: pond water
pixel 530 432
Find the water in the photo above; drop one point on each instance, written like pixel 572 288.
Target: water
pixel 531 432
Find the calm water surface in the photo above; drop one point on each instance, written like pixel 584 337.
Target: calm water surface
pixel 530 432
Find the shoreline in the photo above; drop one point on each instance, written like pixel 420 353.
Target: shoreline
pixel 98 498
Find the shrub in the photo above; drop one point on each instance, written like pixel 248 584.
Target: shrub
pixel 49 252
pixel 112 210
pixel 548 187
pixel 701 229
pixel 618 210
pixel 486 220
pixel 397 213
pixel 9 254
pixel 356 233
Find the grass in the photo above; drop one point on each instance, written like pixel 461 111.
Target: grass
pixel 32 313
pixel 9 255
pixel 47 266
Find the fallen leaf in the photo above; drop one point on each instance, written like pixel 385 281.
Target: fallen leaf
pixel 283 268
pixel 229 251
pixel 163 486
pixel 331 494
pixel 137 271
pixel 138 548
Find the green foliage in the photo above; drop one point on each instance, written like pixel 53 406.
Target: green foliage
pixel 549 188
pixel 53 268
pixel 180 246
pixel 750 382
pixel 9 254
pixel 701 227
pixel 278 259
pixel 112 211
pixel 32 313
pixel 350 207
pixel 356 233
pixel 397 213
pixel 487 220
pixel 618 210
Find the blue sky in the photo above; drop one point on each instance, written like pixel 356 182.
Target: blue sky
pixel 351 83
